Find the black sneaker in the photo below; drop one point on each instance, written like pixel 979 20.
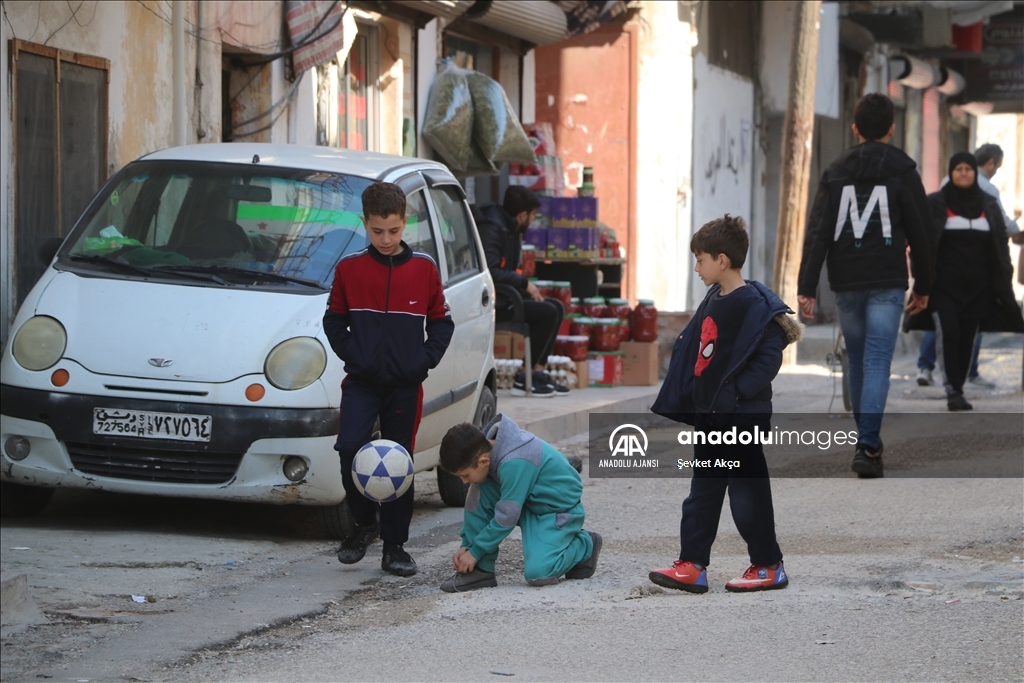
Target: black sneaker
pixel 539 389
pixel 866 464
pixel 353 548
pixel 398 562
pixel 560 389
pixel 462 583
pixel 543 377
pixel 576 462
pixel 586 568
pixel 957 402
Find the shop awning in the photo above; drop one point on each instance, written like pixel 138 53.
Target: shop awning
pixel 447 9
pixel 536 21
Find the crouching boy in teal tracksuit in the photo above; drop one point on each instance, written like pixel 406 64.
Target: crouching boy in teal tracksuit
pixel 517 479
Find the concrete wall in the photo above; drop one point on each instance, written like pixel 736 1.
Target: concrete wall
pixel 665 110
pixel 723 137
pixel 777 20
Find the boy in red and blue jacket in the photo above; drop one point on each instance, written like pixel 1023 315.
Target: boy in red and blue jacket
pixel 382 299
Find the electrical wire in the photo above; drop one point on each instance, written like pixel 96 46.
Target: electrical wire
pixel 3 6
pixel 309 39
pixel 287 95
pixel 74 12
pixel 284 98
pixel 94 5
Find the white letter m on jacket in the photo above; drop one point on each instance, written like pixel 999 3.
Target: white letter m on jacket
pixel 848 209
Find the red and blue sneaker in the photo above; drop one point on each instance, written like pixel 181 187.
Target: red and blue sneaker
pixel 682 575
pixel 759 579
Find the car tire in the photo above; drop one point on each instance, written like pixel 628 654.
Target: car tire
pixel 451 488
pixel 335 521
pixel 17 500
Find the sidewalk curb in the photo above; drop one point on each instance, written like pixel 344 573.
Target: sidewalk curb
pixel 558 427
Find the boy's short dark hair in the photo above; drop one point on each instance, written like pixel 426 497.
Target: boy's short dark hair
pixel 988 152
pixel 462 447
pixel 383 199
pixel 726 235
pixel 873 116
pixel 519 199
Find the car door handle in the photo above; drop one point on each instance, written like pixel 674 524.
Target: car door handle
pixel 486 298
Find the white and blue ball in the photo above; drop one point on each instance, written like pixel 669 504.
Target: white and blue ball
pixel 382 470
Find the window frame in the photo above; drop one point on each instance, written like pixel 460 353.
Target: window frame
pixel 474 238
pixel 371 33
pixel 18 46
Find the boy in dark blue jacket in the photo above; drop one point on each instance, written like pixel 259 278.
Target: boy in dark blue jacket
pixel 721 376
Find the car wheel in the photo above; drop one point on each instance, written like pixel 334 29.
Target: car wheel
pixel 451 488
pixel 335 521
pixel 17 500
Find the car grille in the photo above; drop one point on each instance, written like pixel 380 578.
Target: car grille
pixel 153 464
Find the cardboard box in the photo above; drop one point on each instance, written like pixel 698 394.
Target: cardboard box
pixel 543 215
pixel 586 212
pixel 518 343
pixel 563 212
pixel 558 242
pixel 582 373
pixel 502 345
pixel 538 237
pixel 639 364
pixel 580 240
pixel 541 137
pixel 605 368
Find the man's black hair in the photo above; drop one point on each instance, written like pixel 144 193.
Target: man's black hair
pixel 519 199
pixel 462 447
pixel 726 235
pixel 988 152
pixel 873 116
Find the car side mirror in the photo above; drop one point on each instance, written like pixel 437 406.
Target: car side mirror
pixel 49 249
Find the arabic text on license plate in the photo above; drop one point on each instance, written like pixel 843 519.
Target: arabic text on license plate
pixel 150 425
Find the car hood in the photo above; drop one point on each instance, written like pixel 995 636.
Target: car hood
pixel 209 334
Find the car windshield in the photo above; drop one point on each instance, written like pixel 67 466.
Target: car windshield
pixel 223 223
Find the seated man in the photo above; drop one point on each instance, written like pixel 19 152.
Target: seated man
pixel 501 230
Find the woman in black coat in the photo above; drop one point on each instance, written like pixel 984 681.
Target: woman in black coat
pixel 973 288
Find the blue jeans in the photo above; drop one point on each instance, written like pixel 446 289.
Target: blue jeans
pixel 926 358
pixel 870 320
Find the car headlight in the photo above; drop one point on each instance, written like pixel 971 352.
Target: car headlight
pixel 296 363
pixel 40 343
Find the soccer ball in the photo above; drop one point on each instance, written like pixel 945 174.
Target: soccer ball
pixel 382 470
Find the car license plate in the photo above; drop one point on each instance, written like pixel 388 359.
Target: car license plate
pixel 150 425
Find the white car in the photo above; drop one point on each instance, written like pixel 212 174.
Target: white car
pixel 174 346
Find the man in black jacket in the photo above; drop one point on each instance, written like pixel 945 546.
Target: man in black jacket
pixel 870 205
pixel 501 229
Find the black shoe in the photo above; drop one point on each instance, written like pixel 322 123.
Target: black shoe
pixel 398 562
pixel 539 389
pixel 866 464
pixel 957 402
pixel 353 548
pixel 462 583
pixel 576 462
pixel 586 568
pixel 542 377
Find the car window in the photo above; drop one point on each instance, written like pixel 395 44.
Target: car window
pixel 291 223
pixel 418 234
pixel 459 245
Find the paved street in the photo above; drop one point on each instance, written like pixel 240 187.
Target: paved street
pixel 906 579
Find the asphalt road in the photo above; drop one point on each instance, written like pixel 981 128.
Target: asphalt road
pixel 892 579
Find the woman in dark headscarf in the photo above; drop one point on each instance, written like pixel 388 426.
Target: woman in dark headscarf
pixel 972 289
